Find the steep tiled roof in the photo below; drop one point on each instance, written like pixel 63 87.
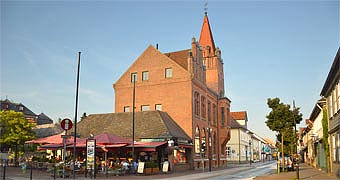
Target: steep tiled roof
pixel 8 105
pixel 148 125
pixel 206 37
pixel 45 130
pixel 43 119
pixel 242 115
pixel 180 57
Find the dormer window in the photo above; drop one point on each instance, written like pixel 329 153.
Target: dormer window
pixel 21 108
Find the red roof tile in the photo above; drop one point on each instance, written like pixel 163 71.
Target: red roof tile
pixel 242 115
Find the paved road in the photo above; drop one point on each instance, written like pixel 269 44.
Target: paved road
pixel 234 173
pixel 247 173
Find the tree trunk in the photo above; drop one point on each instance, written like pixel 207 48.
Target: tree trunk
pixel 283 154
pixel 16 163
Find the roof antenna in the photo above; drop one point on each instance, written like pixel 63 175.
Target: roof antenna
pixel 206 8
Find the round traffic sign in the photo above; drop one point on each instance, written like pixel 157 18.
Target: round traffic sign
pixel 66 124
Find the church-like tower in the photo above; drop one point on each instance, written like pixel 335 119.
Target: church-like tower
pixel 212 59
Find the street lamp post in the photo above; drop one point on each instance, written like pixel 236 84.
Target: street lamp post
pixel 133 116
pixel 210 145
pixel 296 149
pixel 75 119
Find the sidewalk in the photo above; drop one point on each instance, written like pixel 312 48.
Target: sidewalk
pixel 306 172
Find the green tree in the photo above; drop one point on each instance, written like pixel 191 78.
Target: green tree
pixel 282 120
pixel 83 116
pixel 325 136
pixel 16 130
pixel 58 122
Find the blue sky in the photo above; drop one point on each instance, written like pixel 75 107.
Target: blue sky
pixel 270 49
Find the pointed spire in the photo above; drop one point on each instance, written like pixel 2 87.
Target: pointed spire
pixel 206 37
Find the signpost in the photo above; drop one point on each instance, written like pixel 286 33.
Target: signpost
pixel 65 124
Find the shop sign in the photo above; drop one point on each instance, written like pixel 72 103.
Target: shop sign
pixel 90 153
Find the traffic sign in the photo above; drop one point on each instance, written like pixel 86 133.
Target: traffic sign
pixel 66 124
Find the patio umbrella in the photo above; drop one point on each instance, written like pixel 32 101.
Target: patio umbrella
pixel 55 139
pixel 110 139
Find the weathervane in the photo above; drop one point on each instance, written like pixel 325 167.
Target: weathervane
pixel 206 8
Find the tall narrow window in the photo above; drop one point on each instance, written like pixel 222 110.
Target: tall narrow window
pixel 330 106
pixel 209 112
pixel 215 144
pixel 214 114
pixel 197 103
pixel 134 77
pixel 158 107
pixel 168 72
pixel 145 108
pixel 222 114
pixel 203 106
pixel 145 75
pixel 126 108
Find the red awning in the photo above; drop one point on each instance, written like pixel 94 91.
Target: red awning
pixel 107 138
pixel 55 139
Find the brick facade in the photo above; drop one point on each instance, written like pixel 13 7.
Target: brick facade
pixel 193 95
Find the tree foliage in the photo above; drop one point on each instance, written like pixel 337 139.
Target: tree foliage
pixel 15 128
pixel 282 119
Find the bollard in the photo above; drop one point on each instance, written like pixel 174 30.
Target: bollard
pixel 54 170
pixel 31 173
pixel 4 174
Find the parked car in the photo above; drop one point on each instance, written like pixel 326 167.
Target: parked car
pixel 288 163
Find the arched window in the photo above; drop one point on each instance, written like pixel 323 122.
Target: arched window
pixel 197 103
pixel 214 114
pixel 197 140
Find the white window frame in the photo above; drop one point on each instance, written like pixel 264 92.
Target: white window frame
pixel 168 72
pixel 145 108
pixel 126 108
pixel 158 107
pixel 145 75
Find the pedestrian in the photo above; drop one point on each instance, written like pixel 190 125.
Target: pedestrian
pixel 23 167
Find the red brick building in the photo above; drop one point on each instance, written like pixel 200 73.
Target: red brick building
pixel 189 86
